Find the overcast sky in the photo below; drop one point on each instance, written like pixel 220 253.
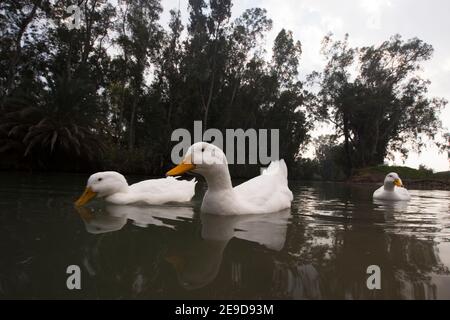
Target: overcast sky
pixel 367 22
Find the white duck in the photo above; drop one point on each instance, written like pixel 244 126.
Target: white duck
pixel 392 189
pixel 268 192
pixel 114 188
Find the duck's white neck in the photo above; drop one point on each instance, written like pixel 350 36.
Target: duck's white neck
pixel 389 186
pixel 121 196
pixel 218 178
pixel 119 189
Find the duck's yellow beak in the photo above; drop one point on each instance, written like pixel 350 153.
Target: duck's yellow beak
pixel 87 196
pixel 398 183
pixel 180 169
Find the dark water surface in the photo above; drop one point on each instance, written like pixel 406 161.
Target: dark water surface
pixel 319 249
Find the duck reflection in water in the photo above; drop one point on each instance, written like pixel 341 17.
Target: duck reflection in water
pixel 390 206
pixel 135 271
pixel 200 264
pixel 115 217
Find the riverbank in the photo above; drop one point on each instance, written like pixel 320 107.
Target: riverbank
pixel 412 178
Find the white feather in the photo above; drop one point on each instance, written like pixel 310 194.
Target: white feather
pixel 115 189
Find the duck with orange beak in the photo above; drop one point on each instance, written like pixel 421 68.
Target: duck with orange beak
pixel 392 189
pixel 113 187
pixel 268 192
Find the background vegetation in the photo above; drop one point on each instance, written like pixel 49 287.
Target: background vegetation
pixel 109 95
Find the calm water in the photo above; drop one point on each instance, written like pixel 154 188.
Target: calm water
pixel 319 249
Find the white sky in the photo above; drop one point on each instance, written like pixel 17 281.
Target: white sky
pixel 368 22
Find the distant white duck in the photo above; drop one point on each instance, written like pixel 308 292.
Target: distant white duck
pixel 392 189
pixel 114 188
pixel 268 192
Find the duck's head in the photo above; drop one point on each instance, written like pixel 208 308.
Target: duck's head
pixel 392 179
pixel 102 184
pixel 202 158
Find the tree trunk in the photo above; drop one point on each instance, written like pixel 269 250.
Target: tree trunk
pixel 208 103
pixel 230 105
pixel 132 131
pixel 211 85
pixel 347 146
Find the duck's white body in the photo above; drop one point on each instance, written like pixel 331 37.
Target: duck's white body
pixel 155 191
pixel 266 193
pixel 397 194
pixel 392 189
pixel 113 187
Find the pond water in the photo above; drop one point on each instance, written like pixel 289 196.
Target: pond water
pixel 319 249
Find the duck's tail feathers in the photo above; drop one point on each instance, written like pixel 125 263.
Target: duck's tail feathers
pixel 276 167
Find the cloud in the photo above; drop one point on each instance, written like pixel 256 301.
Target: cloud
pixel 374 10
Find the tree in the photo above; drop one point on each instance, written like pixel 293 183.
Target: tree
pixel 331 157
pixel 16 19
pixel 121 80
pixel 286 56
pixel 384 104
pixel 140 42
pixel 54 110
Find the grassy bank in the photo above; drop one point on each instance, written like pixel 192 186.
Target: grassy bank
pixel 412 178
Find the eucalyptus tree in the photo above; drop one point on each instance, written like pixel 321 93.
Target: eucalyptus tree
pixel 56 112
pixel 21 43
pixel 376 98
pixel 121 80
pixel 291 95
pixel 140 44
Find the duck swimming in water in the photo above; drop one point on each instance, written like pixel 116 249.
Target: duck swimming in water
pixel 392 189
pixel 268 192
pixel 114 188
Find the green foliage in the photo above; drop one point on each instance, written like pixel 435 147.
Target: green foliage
pixel 404 172
pixel 331 158
pixel 305 169
pixel 55 127
pixel 109 94
pixel 381 107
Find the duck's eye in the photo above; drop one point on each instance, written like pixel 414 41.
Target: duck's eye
pixel 99 179
pixel 203 149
